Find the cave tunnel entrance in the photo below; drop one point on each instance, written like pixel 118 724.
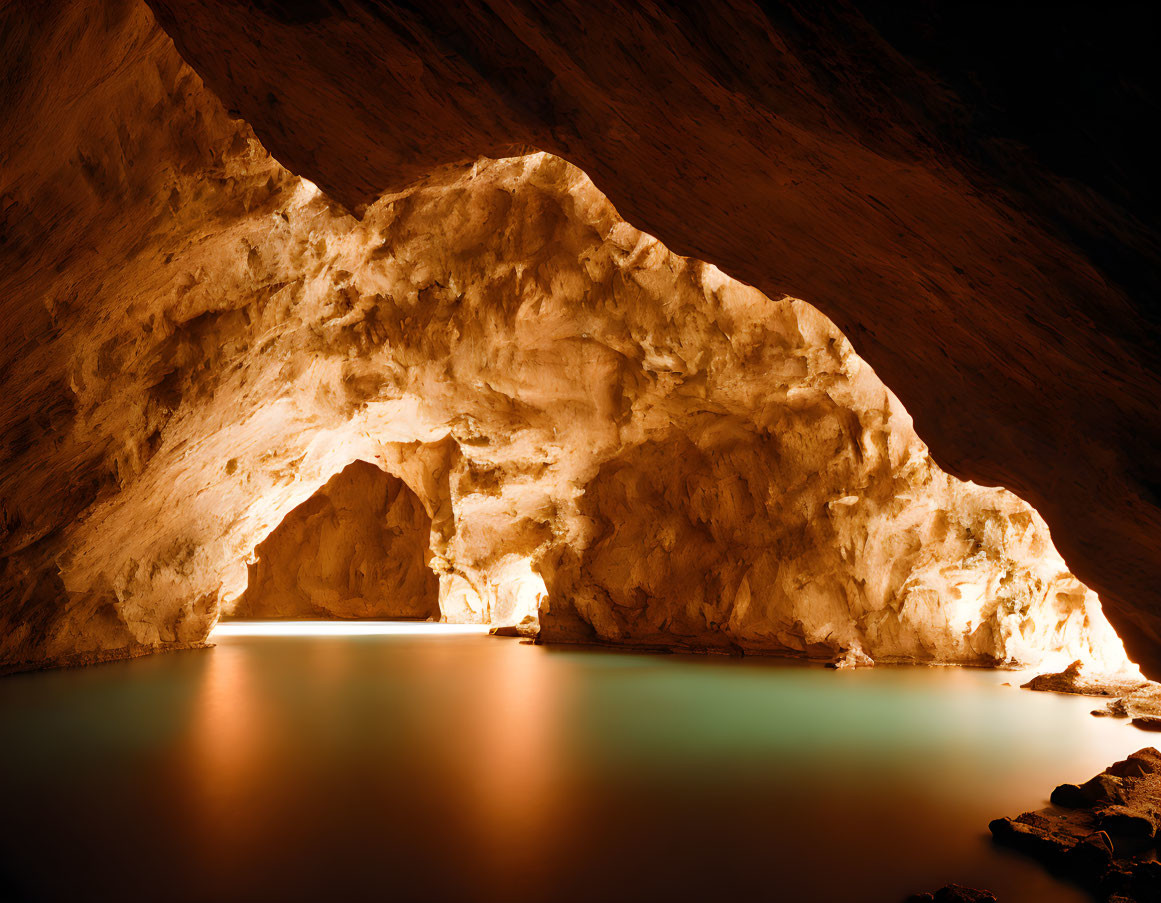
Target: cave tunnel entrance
pixel 359 548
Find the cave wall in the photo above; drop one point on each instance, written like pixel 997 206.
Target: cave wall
pixel 936 178
pixel 110 151
pixel 726 537
pixel 357 548
pixel 204 339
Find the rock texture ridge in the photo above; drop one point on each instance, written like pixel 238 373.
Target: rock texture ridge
pixel 1102 832
pixel 966 190
pixel 609 440
pixel 357 548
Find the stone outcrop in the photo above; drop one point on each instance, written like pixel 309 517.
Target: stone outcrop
pixel 966 192
pixel 611 441
pixel 1141 705
pixel 357 548
pixel 1077 680
pixel 1103 833
pixel 794 535
pixel 112 163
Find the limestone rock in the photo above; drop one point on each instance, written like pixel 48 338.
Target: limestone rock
pixel 1142 704
pixel 1077 679
pixel 954 893
pixel 1124 822
pixel 852 658
pixel 1104 788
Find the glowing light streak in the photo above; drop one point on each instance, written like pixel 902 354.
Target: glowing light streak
pixel 345 628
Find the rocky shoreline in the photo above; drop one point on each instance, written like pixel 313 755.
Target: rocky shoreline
pixel 1134 698
pixel 1103 834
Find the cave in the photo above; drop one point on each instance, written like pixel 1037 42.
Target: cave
pixel 508 450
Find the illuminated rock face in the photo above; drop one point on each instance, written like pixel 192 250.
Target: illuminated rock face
pixel 609 440
pixel 357 548
pixel 974 206
pixel 737 536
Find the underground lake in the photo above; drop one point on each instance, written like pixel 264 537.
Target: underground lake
pixel 509 450
pixel 332 761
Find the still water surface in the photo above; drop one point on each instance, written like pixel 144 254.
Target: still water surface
pixel 475 768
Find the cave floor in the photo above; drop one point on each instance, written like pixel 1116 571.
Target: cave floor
pixel 445 767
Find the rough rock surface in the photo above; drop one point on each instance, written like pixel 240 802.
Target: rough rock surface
pixel 967 190
pixel 1142 705
pixel 357 548
pixel 1103 833
pixel 111 152
pixel 609 439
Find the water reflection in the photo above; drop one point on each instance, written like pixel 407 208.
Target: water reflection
pixel 473 768
pixel 225 745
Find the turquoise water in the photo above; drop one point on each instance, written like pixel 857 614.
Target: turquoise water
pixel 477 768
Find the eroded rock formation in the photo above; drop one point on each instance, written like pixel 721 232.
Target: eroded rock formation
pixel 357 548
pixel 112 152
pixel 968 193
pixel 1078 680
pixel 818 525
pixel 610 440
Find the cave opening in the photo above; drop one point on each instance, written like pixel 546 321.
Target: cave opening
pixel 357 549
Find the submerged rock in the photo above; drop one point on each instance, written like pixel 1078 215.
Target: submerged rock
pixel 954 893
pixel 1102 833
